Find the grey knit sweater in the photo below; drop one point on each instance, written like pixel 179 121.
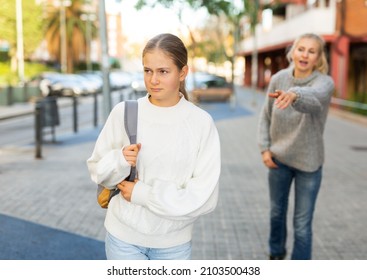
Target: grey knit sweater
pixel 295 135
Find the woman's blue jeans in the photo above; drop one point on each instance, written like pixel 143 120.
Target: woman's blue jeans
pixel 307 185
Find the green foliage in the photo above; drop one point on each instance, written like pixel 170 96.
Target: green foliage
pixel 82 66
pixel 31 69
pixel 219 8
pixel 358 111
pixel 233 13
pixel 5 74
pixel 4 56
pixel 215 7
pixel 7 21
pixel 115 63
pixel 360 97
pixel 32 25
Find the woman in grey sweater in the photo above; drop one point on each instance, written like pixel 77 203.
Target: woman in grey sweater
pixel 290 138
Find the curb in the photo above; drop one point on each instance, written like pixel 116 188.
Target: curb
pixel 349 116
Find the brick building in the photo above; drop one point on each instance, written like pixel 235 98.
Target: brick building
pixel 342 24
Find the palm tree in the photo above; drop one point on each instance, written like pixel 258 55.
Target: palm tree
pixel 76 35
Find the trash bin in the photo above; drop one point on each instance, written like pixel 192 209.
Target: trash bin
pixel 50 112
pixel 46 115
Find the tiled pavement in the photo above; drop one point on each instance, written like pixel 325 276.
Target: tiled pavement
pixel 56 196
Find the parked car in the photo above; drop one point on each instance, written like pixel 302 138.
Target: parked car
pixel 138 84
pixel 203 86
pixel 120 79
pixel 44 82
pixel 73 84
pixel 94 77
pixel 57 84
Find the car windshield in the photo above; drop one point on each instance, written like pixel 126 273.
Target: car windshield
pixel 217 82
pixel 205 80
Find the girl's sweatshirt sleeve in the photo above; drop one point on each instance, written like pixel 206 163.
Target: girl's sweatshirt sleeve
pixel 107 165
pixel 198 196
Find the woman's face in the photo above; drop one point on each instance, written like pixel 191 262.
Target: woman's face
pixel 305 57
pixel 162 78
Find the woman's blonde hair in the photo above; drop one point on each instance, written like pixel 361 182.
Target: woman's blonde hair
pixel 174 48
pixel 322 64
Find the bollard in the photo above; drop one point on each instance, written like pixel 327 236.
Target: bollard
pixel 46 114
pixel 9 95
pixel 25 92
pixel 38 129
pixel 95 116
pixel 75 114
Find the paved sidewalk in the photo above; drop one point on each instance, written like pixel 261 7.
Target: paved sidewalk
pixel 26 108
pixel 56 193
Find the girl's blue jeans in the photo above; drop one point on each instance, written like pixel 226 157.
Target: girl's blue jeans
pixel 117 249
pixel 307 185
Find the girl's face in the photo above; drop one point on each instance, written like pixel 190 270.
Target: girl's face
pixel 162 78
pixel 305 57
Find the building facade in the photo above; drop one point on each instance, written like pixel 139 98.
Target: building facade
pixel 342 24
pixel 114 30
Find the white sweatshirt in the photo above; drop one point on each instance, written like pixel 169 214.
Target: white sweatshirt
pixel 178 170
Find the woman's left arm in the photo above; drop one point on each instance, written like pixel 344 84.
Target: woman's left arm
pixel 198 196
pixel 312 99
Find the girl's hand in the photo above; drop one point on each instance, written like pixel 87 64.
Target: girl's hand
pixel 126 189
pixel 131 153
pixel 283 99
pixel 268 160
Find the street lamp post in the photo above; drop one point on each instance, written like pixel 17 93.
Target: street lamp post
pixel 254 59
pixel 107 103
pixel 63 44
pixel 63 39
pixel 20 47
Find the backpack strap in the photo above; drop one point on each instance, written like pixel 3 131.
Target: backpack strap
pixel 131 127
pixel 131 119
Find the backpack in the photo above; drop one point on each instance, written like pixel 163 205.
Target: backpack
pixel 104 194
